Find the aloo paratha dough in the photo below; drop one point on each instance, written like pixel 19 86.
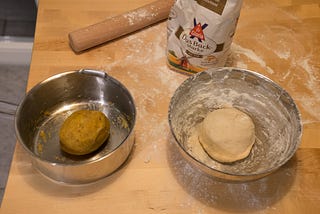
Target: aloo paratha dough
pixel 227 134
pixel 83 132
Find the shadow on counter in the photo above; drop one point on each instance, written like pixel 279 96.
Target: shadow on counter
pixel 46 185
pixel 227 195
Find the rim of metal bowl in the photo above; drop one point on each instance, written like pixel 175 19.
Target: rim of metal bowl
pixel 56 76
pixel 231 69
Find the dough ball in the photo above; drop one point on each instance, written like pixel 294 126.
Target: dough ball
pixel 83 132
pixel 227 134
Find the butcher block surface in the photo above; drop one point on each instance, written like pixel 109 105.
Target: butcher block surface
pixel 279 39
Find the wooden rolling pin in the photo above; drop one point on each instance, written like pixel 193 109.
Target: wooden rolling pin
pixel 120 25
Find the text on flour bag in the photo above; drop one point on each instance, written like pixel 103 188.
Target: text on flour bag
pixel 200 33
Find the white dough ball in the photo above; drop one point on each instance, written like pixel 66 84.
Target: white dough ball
pixel 227 134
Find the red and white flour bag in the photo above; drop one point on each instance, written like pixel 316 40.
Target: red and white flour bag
pixel 200 33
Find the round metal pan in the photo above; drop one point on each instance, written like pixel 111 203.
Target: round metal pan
pixel 46 106
pixel 274 113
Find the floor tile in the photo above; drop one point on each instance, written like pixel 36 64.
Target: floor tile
pixel 7 144
pixel 13 80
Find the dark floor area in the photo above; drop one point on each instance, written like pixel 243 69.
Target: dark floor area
pixel 13 80
pixel 17 20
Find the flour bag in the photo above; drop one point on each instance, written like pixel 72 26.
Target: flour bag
pixel 200 33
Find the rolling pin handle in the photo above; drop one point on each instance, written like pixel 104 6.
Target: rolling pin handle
pixel 120 25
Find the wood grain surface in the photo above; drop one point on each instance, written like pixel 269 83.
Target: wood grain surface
pixel 279 39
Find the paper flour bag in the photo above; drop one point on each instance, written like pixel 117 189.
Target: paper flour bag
pixel 200 33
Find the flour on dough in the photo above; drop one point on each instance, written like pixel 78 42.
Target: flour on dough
pixel 227 134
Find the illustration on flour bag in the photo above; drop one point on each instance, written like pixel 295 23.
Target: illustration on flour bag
pixel 200 33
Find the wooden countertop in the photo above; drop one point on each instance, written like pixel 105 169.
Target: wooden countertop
pixel 280 39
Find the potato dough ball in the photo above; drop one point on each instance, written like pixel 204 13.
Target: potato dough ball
pixel 84 131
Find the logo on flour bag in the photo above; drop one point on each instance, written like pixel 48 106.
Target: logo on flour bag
pixel 195 46
pixel 194 43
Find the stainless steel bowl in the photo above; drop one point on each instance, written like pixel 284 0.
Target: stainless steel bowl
pixel 276 117
pixel 45 107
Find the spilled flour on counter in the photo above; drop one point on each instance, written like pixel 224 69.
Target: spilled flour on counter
pixel 237 49
pixel 230 196
pixel 294 59
pixel 142 59
pixel 299 56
